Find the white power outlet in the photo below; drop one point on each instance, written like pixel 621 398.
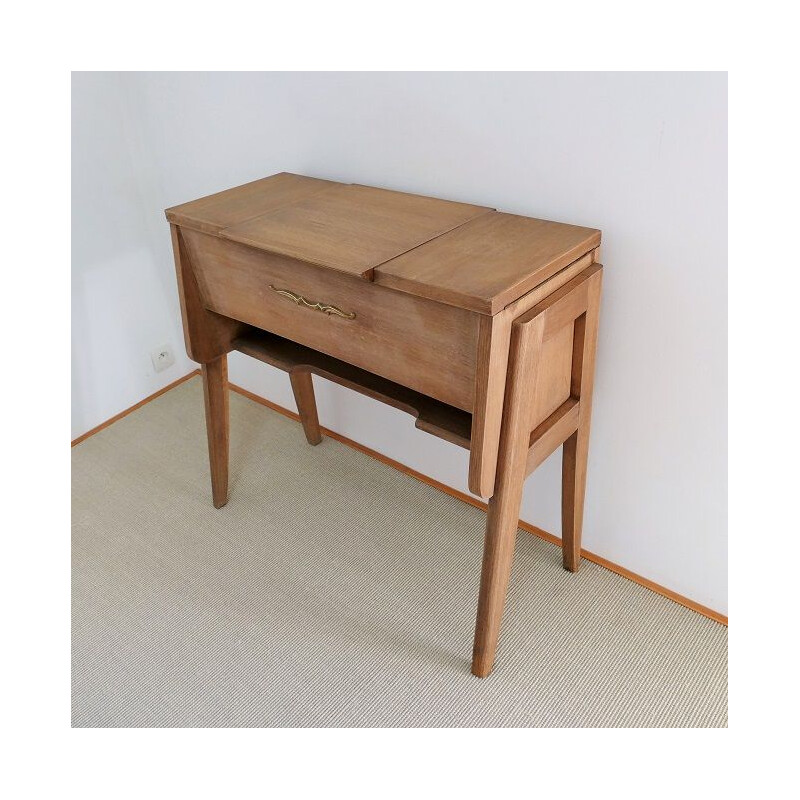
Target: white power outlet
pixel 163 357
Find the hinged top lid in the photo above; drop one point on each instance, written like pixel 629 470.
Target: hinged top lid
pixel 345 227
pixel 217 211
pixel 352 228
pixel 488 262
pixel 456 253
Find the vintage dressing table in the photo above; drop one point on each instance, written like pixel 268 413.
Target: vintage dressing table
pixel 481 324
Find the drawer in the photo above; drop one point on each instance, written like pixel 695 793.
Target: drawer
pixel 428 346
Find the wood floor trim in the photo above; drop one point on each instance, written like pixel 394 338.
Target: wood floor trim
pixel 127 411
pixel 465 498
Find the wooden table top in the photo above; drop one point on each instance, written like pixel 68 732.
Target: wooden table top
pixel 456 253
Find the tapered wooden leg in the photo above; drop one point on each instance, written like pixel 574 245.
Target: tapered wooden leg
pixel 576 448
pixel 215 392
pixel 303 389
pixel 503 516
pixel 498 555
pixel 573 491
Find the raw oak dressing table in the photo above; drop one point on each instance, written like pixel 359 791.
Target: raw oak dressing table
pixel 481 324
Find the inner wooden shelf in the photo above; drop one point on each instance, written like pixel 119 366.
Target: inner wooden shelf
pixel 432 416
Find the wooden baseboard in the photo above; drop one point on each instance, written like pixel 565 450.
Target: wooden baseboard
pixel 465 498
pixel 141 403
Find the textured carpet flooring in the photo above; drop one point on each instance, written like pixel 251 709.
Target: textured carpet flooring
pixel 335 591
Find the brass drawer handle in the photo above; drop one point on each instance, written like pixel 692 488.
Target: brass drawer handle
pixel 325 309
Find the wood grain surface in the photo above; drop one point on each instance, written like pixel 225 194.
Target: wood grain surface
pixel 351 228
pixel 217 211
pixel 424 345
pixel 488 262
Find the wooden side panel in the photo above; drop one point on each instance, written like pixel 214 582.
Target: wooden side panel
pixel 415 342
pixel 490 379
pixel 207 335
pixel 553 384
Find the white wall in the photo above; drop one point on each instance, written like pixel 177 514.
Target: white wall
pixel 124 299
pixel 642 156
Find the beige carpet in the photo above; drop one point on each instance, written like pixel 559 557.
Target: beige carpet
pixel 335 591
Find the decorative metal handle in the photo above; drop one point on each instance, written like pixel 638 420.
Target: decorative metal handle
pixel 324 308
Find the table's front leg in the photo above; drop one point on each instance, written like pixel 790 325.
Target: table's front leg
pixel 503 515
pixel 209 338
pixel 215 394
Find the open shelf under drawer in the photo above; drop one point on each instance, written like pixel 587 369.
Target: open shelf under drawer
pixel 432 416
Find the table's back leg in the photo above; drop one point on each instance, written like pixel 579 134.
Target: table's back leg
pixel 303 389
pixel 209 338
pixel 503 516
pixel 576 447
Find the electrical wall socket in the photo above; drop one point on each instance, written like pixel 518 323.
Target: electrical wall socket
pixel 163 357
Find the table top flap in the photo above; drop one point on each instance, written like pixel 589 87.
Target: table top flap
pixel 352 228
pixel 488 262
pixel 217 211
pixel 457 253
